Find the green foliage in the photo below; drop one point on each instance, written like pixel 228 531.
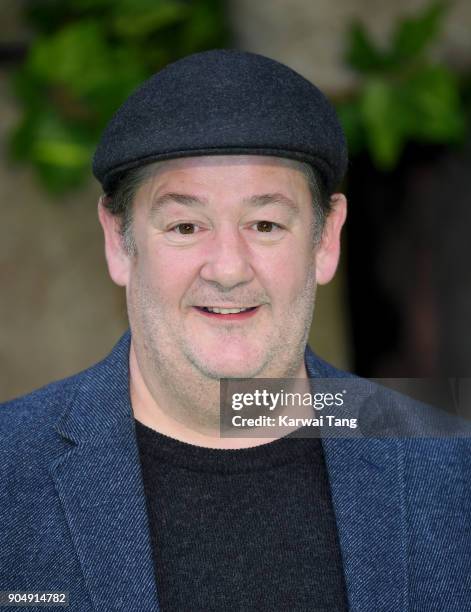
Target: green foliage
pixel 403 96
pixel 87 57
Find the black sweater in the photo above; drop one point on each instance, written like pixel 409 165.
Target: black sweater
pixel 241 530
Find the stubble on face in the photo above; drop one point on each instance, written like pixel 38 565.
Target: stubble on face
pixel 188 389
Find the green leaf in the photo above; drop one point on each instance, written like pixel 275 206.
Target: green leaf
pixel 205 28
pixel 85 6
pixel 48 16
pixel 79 57
pixel 54 147
pixel 61 153
pixel 350 118
pixel 21 137
pixel 434 108
pixel 59 180
pixel 139 19
pixel 28 88
pixel 361 52
pixel 381 115
pixel 86 59
pixel 84 74
pixel 412 35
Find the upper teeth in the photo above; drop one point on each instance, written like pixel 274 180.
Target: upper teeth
pixel 225 310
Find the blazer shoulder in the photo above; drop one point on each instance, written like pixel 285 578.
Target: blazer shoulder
pixel 48 402
pixel 39 410
pixel 319 368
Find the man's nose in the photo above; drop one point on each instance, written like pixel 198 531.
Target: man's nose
pixel 228 259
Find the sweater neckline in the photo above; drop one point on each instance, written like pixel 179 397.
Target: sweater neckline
pixel 157 447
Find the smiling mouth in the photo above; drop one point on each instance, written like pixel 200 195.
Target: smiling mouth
pixel 233 314
pixel 228 310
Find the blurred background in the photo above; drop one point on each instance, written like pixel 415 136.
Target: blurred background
pixel 399 75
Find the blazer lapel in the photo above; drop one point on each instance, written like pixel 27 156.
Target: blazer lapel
pixel 366 478
pixel 99 482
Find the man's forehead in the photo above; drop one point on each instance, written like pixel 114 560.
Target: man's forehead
pixel 224 161
pixel 185 181
pixel 160 175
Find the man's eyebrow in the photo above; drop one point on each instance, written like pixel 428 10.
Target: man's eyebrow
pixel 256 201
pixel 176 198
pixel 265 199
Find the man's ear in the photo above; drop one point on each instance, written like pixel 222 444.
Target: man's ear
pixel 328 251
pixel 116 257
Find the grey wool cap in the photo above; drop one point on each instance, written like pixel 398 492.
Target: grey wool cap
pixel 223 102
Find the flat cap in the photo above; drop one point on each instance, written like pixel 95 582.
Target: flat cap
pixel 223 102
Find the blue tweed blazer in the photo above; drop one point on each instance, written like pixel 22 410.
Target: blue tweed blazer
pixel 73 515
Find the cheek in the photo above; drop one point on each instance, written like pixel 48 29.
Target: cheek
pixel 287 274
pixel 166 273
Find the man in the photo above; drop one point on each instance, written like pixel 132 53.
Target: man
pixel 220 217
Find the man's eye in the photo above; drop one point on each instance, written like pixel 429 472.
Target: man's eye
pixel 266 226
pixel 184 228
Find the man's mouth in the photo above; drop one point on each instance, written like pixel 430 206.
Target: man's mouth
pixel 229 313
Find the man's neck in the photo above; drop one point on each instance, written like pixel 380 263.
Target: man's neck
pixel 148 412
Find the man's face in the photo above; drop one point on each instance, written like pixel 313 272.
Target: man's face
pixel 221 232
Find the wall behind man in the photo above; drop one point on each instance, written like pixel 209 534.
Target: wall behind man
pixel 59 312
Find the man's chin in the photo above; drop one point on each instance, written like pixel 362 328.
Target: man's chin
pixel 218 369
